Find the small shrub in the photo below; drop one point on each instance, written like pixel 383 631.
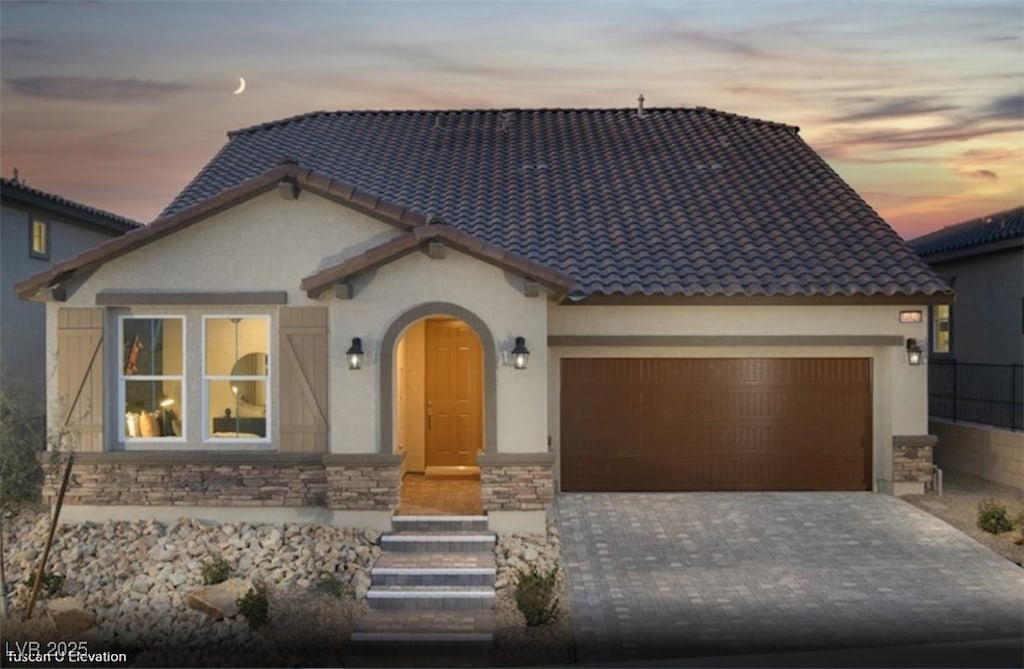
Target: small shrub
pixel 255 606
pixel 52 583
pixel 992 517
pixel 1019 520
pixel 332 585
pixel 215 570
pixel 535 595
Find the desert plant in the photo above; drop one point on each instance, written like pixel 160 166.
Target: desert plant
pixel 52 583
pixel 535 595
pixel 332 585
pixel 992 517
pixel 255 606
pixel 215 570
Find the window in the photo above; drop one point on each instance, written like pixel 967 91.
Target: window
pixel 151 377
pixel 940 328
pixel 40 240
pixel 236 377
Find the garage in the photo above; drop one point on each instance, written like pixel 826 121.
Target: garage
pixel 679 424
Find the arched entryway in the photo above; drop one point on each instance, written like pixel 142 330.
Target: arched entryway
pixel 441 406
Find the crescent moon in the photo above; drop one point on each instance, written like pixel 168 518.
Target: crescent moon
pixel 241 86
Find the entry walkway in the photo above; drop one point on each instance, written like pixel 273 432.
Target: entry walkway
pixel 680 575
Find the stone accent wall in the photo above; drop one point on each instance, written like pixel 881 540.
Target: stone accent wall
pixel 990 452
pixel 197 484
pixel 365 487
pixel 516 487
pixel 912 459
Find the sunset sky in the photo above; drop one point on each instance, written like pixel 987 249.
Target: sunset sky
pixel 918 105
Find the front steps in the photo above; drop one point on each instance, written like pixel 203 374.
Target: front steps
pixel 431 596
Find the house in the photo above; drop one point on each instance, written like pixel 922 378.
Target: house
pixel 36 229
pixel 983 259
pixel 976 374
pixel 558 299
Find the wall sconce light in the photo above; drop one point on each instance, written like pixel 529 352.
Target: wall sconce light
pixel 520 354
pixel 355 354
pixel 914 356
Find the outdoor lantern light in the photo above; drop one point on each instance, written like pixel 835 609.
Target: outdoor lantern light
pixel 520 354
pixel 355 354
pixel 913 352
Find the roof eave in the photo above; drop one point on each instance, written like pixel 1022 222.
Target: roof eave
pixel 621 299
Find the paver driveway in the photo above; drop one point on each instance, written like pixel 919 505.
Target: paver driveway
pixel 695 574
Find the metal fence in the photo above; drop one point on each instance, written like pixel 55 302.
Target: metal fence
pixel 977 392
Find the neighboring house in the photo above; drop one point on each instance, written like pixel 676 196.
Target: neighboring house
pixel 706 306
pixel 983 260
pixel 37 229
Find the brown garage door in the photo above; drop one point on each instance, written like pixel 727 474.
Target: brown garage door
pixel 715 424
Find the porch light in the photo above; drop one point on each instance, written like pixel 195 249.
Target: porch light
pixel 355 354
pixel 520 354
pixel 913 352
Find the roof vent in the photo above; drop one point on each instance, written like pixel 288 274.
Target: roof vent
pixel 288 160
pixel 504 121
pixel 640 105
pixel 437 220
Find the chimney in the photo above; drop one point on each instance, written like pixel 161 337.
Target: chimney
pixel 640 105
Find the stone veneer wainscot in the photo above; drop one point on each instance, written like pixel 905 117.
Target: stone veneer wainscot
pixel 912 463
pixel 516 481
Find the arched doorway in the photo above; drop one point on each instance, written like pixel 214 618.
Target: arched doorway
pixel 441 407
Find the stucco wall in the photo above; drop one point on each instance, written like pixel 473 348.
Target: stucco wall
pixel 899 391
pixel 270 244
pixel 987 312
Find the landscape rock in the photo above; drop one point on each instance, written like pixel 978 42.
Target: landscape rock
pixel 69 616
pixel 220 600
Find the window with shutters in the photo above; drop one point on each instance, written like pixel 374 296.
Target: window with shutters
pixel 236 377
pixel 151 378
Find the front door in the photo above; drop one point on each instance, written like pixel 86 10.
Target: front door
pixel 454 398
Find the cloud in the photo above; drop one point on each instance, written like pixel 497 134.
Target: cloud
pixel 894 109
pixel 93 88
pixel 981 174
pixel 1009 108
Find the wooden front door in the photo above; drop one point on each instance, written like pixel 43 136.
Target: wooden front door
pixel 454 398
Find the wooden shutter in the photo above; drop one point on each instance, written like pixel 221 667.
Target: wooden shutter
pixel 302 379
pixel 80 375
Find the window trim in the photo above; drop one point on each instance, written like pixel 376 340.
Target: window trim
pixel 123 439
pixel 207 419
pixel 47 227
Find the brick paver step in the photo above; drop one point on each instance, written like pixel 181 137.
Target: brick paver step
pixel 461 542
pixel 467 626
pixel 434 598
pixel 439 523
pixel 440 569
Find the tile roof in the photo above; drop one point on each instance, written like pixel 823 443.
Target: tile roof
pixel 969 235
pixel 673 202
pixel 18 191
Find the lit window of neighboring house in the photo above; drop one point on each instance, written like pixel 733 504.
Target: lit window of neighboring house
pixel 40 240
pixel 940 328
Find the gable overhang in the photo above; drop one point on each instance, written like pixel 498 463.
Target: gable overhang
pixel 47 285
pixel 428 238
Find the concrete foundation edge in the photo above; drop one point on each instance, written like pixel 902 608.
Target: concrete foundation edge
pixel 517 522
pixel 378 520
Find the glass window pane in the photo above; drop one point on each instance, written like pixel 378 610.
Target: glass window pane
pixel 232 344
pixel 152 347
pixel 940 328
pixel 237 408
pixel 152 409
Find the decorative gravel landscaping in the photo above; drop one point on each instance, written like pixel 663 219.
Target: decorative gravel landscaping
pixel 134 579
pixel 958 506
